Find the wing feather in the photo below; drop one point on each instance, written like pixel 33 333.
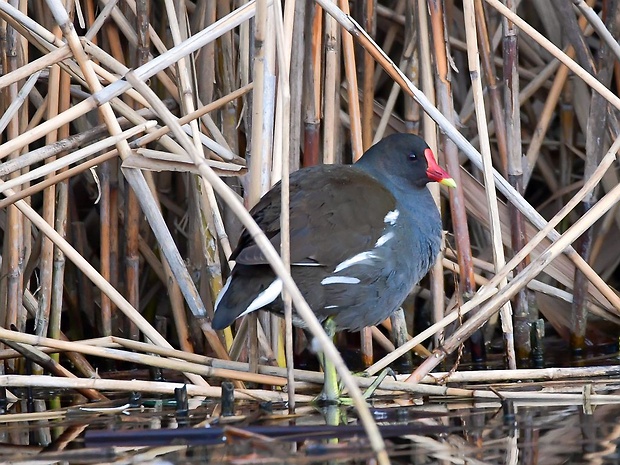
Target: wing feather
pixel 343 210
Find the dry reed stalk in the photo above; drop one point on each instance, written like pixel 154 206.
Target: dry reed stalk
pixel 27 26
pixel 57 164
pixel 203 63
pixel 599 26
pixel 58 264
pixel 382 340
pixel 158 387
pixel 393 30
pixel 16 104
pixel 331 90
pixel 489 72
pixel 445 102
pixel 391 101
pixel 24 115
pixel 107 212
pixel 298 60
pixel 45 170
pixel 561 269
pixel 208 361
pixel 155 160
pixel 150 360
pixel 259 145
pixel 369 21
pixel 499 375
pixel 418 350
pixel 49 125
pixel 211 220
pixel 552 374
pixel 485 149
pixel 525 94
pixel 62 19
pixel 282 145
pixel 514 170
pixel 150 208
pixel 274 325
pixel 348 53
pixel 22 56
pixel 63 175
pixel 35 66
pixel 173 257
pixel 312 81
pixel 187 106
pixel 13 313
pixel 70 143
pixel 430 135
pixel 225 154
pixel 226 58
pixel 131 260
pixel 358 131
pixel 260 162
pixel 544 120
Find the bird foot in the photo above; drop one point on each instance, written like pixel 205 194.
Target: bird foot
pixel 333 397
pixel 378 380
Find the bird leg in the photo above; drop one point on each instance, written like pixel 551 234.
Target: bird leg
pixel 331 384
pixel 370 390
pixel 334 415
pixel 331 388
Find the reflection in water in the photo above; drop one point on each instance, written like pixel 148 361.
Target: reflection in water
pixel 512 432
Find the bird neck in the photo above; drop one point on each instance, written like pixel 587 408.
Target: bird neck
pixel 399 185
pixel 410 198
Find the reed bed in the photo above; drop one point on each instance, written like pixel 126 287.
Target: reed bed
pixel 135 136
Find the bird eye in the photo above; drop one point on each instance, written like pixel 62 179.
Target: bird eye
pixel 412 156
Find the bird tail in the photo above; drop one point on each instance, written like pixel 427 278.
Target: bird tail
pixel 246 290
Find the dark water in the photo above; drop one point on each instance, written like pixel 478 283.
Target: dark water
pixel 432 432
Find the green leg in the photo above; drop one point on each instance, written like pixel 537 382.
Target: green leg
pixel 331 388
pixel 334 415
pixel 369 392
pixel 375 384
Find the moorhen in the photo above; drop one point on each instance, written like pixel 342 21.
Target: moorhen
pixel 362 236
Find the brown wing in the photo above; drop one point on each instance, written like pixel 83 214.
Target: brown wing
pixel 339 207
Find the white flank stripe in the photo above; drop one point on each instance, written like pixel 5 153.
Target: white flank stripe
pixel 266 297
pixel 360 257
pixel 222 292
pixel 340 280
pixel 327 307
pixel 391 217
pixel 383 239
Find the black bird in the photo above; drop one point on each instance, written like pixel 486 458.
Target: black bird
pixel 362 236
